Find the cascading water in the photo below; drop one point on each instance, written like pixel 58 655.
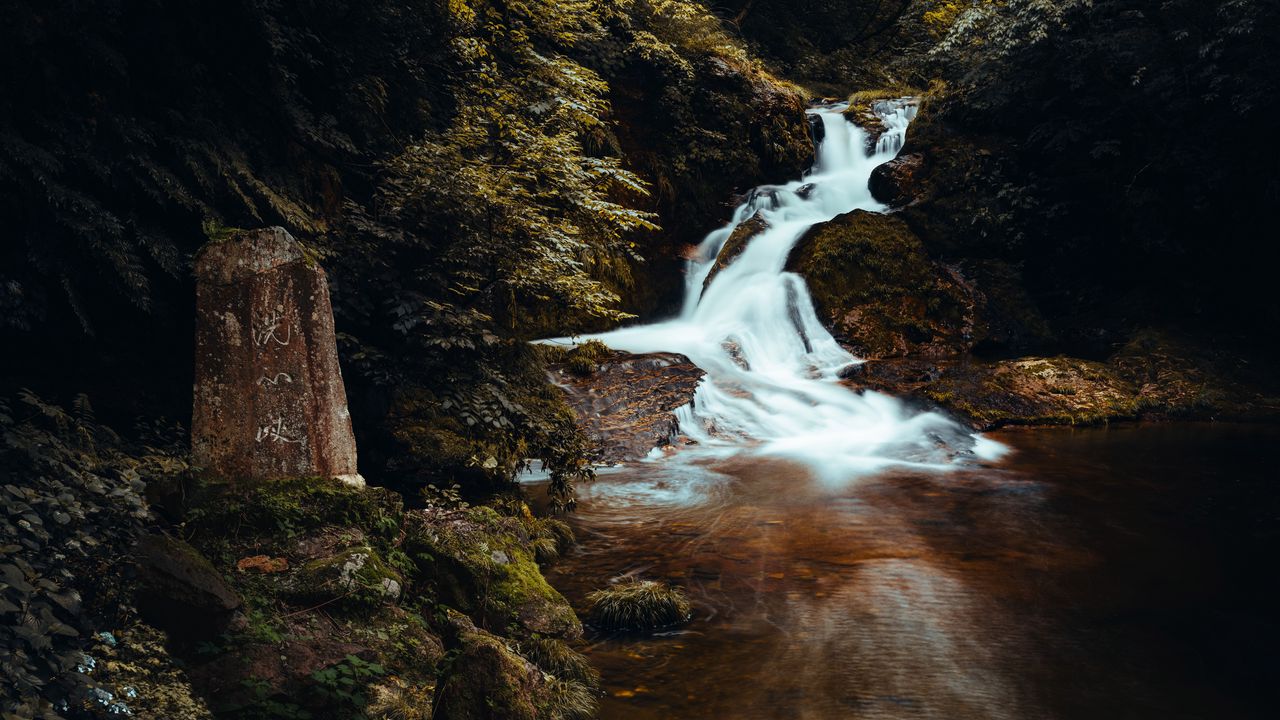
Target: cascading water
pixel 771 385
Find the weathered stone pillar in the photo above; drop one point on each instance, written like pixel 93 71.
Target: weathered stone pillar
pixel 269 398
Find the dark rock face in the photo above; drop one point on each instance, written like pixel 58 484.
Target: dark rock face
pixel 894 183
pixel 180 590
pixel 626 405
pixel 269 397
pixel 736 243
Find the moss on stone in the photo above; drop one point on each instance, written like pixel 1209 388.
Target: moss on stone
pixel 1036 391
pixel 585 358
pixel 355 578
pixel 280 510
pixel 488 681
pixel 878 290
pixel 480 563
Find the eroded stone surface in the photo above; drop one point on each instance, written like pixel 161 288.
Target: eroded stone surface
pixel 625 405
pixel 269 397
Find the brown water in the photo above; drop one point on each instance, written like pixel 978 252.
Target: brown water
pixel 1108 573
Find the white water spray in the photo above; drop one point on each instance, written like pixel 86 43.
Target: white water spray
pixel 771 384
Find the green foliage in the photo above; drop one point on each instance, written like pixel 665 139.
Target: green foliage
pixel 263 705
pixel 346 683
pixel 638 606
pixel 585 358
pixel 73 506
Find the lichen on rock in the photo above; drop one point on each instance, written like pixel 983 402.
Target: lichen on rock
pixel 355 576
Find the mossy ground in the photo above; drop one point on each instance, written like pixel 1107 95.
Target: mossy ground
pixel 323 635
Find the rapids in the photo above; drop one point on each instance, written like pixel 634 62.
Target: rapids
pixel 772 385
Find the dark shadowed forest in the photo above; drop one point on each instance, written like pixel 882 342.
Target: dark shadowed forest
pixel 1074 232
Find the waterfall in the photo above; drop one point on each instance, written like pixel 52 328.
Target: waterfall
pixel 771 385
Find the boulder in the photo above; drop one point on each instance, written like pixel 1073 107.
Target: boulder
pixel 179 590
pixel 488 681
pixel 356 576
pixel 479 562
pixel 878 291
pixel 627 405
pixel 734 246
pixel 894 182
pixel 269 397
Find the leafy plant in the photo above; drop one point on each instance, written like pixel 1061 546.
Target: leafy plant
pixel 346 682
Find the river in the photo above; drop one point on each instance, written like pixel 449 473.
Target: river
pixel 1103 573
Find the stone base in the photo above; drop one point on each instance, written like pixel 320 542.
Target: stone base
pixel 353 479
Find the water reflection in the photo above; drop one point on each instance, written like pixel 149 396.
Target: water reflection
pixel 1042 589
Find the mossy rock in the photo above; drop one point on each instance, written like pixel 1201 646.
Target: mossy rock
pixel 356 577
pixel 1036 391
pixel 488 681
pixel 878 291
pixel 735 245
pixel 1177 376
pixel 481 563
pixel 585 359
pixel 177 584
pixel 282 509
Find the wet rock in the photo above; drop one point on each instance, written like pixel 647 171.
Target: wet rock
pixel 735 245
pixel 852 371
pixel 817 131
pixel 269 397
pixel 479 562
pixel 626 406
pixel 867 110
pixel 894 182
pixel 179 590
pixel 1024 391
pixel 806 190
pixel 878 291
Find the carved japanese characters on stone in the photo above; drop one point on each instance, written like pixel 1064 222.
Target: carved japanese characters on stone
pixel 269 397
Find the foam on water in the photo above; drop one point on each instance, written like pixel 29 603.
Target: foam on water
pixel 771 386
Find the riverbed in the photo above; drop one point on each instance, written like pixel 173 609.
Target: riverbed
pixel 1120 572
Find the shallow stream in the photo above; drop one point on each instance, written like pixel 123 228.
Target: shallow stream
pixel 1106 573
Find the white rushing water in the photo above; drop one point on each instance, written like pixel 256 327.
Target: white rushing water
pixel 771 385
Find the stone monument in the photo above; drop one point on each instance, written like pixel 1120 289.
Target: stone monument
pixel 269 397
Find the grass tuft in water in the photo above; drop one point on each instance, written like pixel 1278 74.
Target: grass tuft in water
pixel 570 700
pixel 638 606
